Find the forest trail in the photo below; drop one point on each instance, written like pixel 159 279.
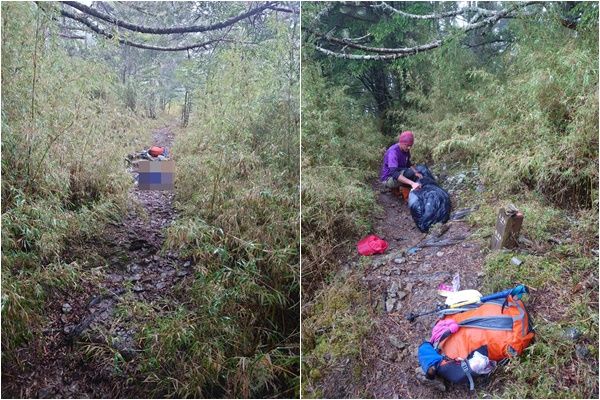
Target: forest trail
pixel 399 283
pixel 90 333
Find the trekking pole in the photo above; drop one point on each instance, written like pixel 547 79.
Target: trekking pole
pixel 412 316
pixel 439 309
pixel 517 291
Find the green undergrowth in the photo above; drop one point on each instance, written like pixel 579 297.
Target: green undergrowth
pixel 333 328
pixel 64 135
pixel 341 153
pixel 25 295
pixel 341 157
pixel 532 126
pixel 235 332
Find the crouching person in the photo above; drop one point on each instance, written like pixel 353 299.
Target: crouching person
pixel 397 170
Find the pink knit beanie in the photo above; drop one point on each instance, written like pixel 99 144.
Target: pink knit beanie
pixel 407 137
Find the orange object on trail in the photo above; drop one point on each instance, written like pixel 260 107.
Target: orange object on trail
pixel 156 151
pixel 505 330
pixel 405 193
pixel 402 191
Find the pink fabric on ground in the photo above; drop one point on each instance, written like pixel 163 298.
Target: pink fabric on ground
pixel 442 327
pixel 371 244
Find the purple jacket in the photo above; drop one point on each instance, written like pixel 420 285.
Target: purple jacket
pixel 394 158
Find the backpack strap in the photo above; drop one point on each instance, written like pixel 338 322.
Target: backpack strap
pixel 436 345
pixel 467 371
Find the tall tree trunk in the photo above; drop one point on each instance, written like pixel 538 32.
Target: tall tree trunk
pixel 185 112
pixel 376 81
pixel 187 103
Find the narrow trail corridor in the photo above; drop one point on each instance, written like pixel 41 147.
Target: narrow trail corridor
pixel 91 334
pixel 399 282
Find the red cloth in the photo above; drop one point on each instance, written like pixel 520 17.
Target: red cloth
pixel 370 245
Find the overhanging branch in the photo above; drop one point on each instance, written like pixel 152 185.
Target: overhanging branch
pixel 363 56
pixel 165 31
pixel 285 9
pixel 380 50
pixel 384 53
pixel 383 5
pixel 82 19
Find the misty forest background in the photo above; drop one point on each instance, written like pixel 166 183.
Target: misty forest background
pixel 511 106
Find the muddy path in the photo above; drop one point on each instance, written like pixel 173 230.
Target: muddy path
pixel 399 282
pixel 88 346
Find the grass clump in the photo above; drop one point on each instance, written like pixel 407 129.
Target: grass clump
pixel 333 329
pixel 25 295
pixel 341 153
pixel 62 174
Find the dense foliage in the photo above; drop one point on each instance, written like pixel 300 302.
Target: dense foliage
pixel 341 151
pixel 237 183
pixel 519 105
pixel 74 104
pixel 56 190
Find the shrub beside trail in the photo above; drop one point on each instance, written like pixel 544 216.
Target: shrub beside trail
pixel 63 136
pixel 237 193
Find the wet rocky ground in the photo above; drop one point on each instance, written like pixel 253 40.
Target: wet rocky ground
pixel 405 280
pixel 96 323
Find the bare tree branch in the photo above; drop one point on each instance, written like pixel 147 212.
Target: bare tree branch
pixel 82 19
pixel 363 56
pixel 285 9
pixel 503 41
pixel 401 50
pixel 393 53
pixel 383 5
pixel 165 31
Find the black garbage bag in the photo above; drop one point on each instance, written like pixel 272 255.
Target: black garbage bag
pixel 430 204
pixel 423 170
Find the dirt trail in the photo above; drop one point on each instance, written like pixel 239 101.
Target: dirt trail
pixel 96 320
pixel 398 283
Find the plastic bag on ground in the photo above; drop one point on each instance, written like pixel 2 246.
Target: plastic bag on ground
pixel 370 245
pixel 481 364
pixel 430 204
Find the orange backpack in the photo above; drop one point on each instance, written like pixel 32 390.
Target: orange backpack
pixel 156 151
pixel 505 330
pixel 499 329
